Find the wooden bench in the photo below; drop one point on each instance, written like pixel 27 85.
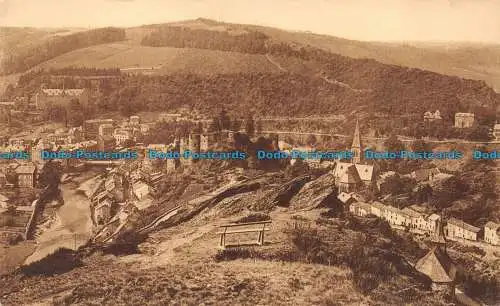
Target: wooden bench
pixel 237 228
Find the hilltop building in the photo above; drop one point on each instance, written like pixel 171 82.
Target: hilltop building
pixel 496 132
pixel 429 116
pixel 355 175
pixel 60 97
pixel 464 120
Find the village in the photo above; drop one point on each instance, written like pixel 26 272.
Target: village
pixel 117 189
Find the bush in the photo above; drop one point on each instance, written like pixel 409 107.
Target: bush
pixel 256 217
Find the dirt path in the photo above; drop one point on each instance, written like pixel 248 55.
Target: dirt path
pixel 165 250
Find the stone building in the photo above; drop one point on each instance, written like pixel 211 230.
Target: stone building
pixel 430 116
pixel 492 233
pixel 91 127
pixel 60 97
pixel 354 175
pixel 464 120
pixel 26 176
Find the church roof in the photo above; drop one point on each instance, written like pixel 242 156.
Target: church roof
pixel 356 141
pixel 437 265
pixel 365 172
pixel 350 176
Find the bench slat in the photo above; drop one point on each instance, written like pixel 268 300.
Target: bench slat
pixel 244 231
pixel 243 224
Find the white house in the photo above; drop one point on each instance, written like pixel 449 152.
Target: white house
pixel 458 229
pixel 491 233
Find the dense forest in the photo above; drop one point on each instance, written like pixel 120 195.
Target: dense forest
pixel 20 60
pixel 181 37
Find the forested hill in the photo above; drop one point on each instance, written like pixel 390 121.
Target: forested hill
pixel 19 57
pixel 260 71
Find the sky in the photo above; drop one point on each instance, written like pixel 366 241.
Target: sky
pixel 372 20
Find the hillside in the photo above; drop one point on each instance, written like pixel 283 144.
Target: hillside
pixel 231 65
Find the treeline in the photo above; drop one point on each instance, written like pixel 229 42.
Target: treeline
pixel 83 71
pixel 181 37
pixel 393 88
pixel 22 60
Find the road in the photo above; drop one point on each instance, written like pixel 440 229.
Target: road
pixel 73 226
pixel 400 137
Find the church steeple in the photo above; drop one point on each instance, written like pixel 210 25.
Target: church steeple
pixel 356 145
pixel 438 239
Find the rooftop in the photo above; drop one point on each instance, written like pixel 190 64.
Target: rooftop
pixel 463 225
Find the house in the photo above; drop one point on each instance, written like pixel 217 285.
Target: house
pixel 106 143
pixel 378 209
pixel 122 136
pixel 496 132
pixel 106 129
pixel 433 221
pixel 458 229
pixel 4 201
pixel 492 233
pixel 429 116
pixel 415 220
pixel 91 127
pixel 140 190
pixel 26 176
pixel 135 120
pixel 464 120
pixel 396 217
pixel 102 212
pixel 360 209
pixel 348 198
pixel 422 175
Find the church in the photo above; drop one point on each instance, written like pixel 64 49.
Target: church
pixel 354 175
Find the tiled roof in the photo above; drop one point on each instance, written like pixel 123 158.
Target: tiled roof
pixel 463 225
pixel 25 169
pixel 350 176
pixel 492 225
pixel 410 212
pixel 438 266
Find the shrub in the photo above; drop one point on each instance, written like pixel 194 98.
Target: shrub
pixel 255 217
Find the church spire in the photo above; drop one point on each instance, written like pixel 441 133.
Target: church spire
pixel 438 238
pixel 356 145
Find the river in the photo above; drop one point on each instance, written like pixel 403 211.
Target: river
pixel 72 227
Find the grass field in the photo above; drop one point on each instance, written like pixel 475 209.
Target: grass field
pixel 164 59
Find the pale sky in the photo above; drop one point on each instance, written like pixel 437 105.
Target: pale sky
pixel 382 20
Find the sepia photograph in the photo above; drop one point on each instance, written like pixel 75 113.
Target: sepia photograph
pixel 216 152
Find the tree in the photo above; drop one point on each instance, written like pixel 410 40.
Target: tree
pixel 214 125
pixel 50 176
pixel 311 140
pixel 421 146
pixel 74 111
pixel 394 144
pixel 225 121
pixel 250 125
